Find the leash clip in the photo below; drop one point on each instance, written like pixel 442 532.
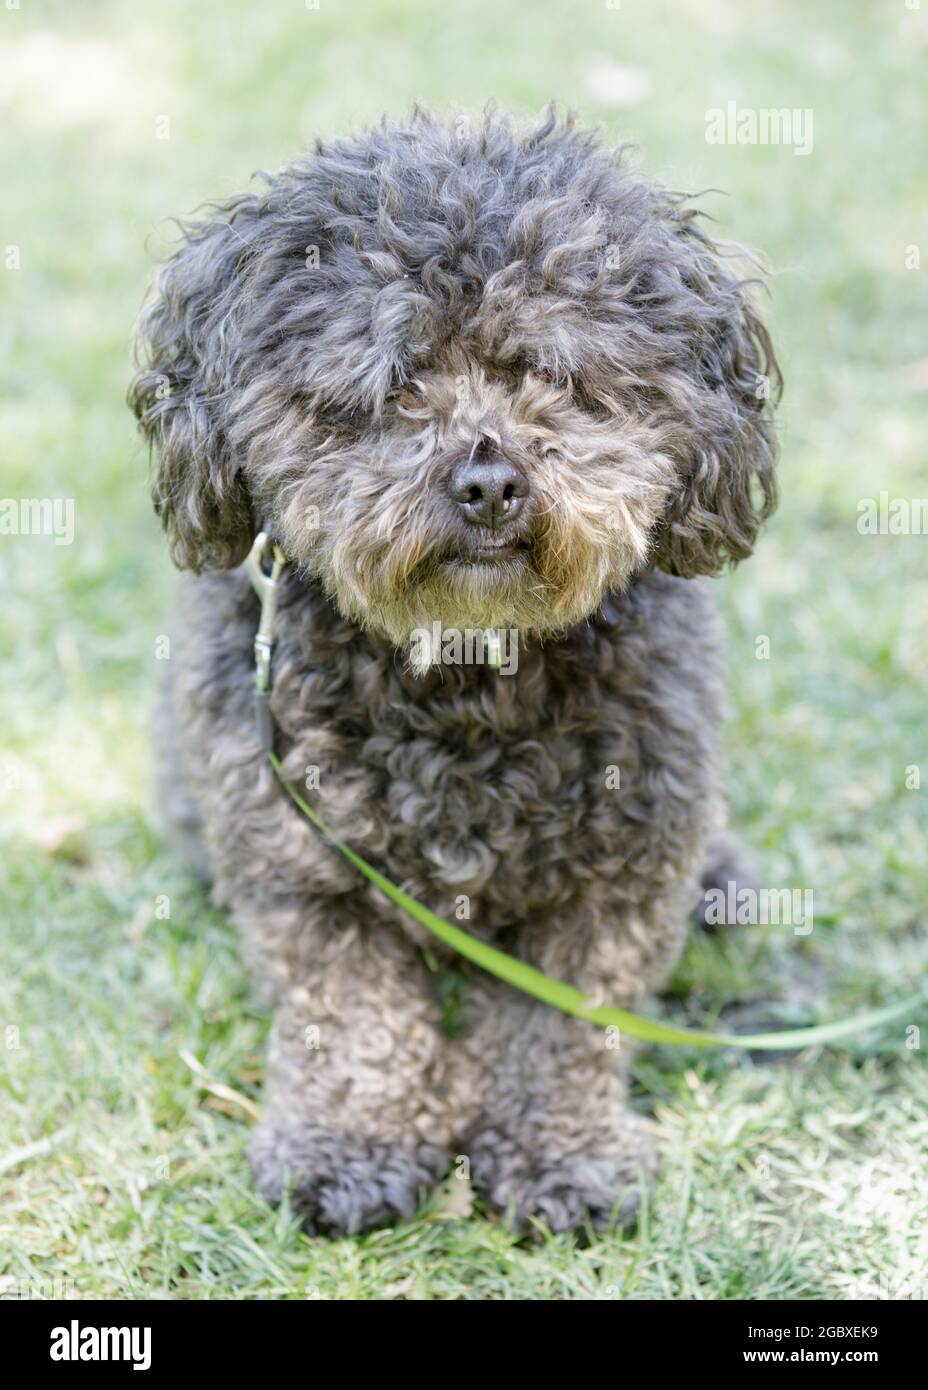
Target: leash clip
pixel 265 586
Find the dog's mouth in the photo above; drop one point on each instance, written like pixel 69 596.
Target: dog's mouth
pixel 487 553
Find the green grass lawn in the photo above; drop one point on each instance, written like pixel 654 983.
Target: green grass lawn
pixel 130 1051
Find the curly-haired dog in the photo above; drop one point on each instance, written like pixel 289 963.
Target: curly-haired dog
pixel 481 378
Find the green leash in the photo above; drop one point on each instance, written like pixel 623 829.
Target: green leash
pixel 569 999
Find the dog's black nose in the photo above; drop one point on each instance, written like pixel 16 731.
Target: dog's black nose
pixel 488 491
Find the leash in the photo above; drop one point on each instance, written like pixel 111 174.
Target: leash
pixel 517 973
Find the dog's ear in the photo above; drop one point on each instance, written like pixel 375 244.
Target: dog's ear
pixel 185 358
pixel 726 487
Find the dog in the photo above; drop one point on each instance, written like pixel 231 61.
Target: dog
pixel 468 376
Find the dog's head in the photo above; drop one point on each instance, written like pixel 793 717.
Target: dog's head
pixel 466 374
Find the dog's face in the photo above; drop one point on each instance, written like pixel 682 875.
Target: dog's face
pixel 479 493
pixel 465 375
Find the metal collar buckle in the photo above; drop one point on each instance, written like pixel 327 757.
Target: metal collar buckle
pixel 265 585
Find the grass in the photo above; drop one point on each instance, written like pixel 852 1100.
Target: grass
pixel 131 1053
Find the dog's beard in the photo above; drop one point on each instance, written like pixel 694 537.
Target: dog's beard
pixel 557 578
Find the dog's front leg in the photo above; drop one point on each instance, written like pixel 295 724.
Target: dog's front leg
pixel 355 1123
pixel 548 1130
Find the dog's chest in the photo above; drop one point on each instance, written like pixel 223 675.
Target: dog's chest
pixel 491 789
pixel 520 789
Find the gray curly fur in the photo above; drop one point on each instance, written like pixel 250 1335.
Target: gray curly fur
pixel 478 288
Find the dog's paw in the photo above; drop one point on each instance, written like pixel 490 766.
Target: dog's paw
pixel 341 1184
pixel 599 1188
